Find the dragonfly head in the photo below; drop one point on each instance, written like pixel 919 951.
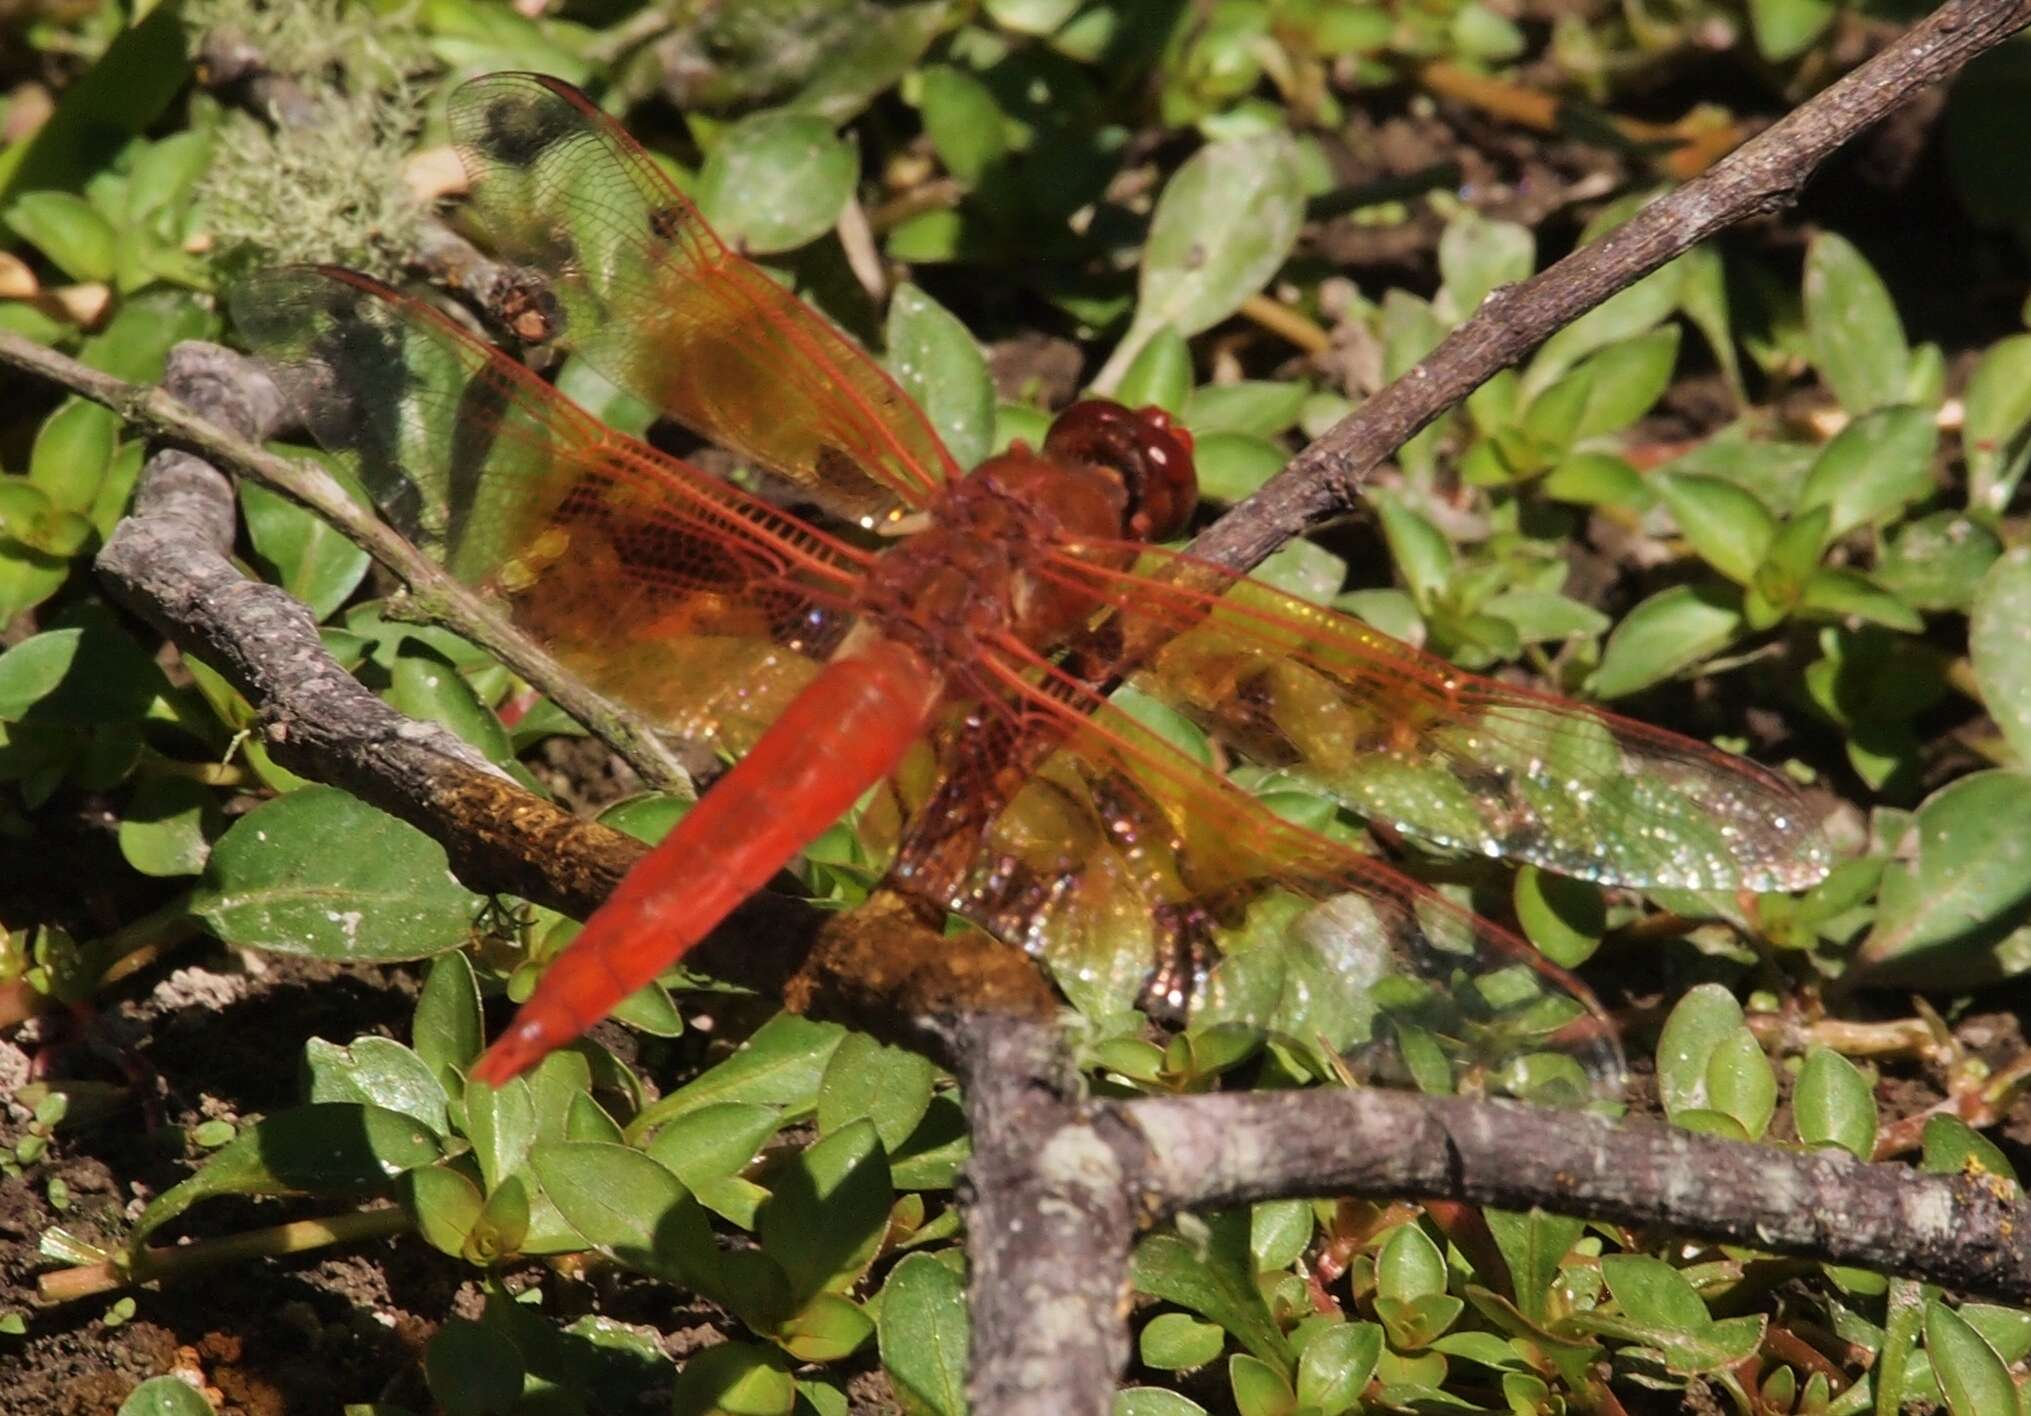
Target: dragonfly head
pixel 1150 453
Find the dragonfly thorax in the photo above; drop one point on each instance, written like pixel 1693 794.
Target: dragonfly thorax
pixel 1106 476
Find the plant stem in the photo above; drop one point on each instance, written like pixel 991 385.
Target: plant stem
pixel 177 1261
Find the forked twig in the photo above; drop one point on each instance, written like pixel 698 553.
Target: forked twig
pixel 1057 1189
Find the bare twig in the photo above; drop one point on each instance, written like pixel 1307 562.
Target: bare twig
pixel 1057 1190
pixel 1051 1208
pixel 1965 1231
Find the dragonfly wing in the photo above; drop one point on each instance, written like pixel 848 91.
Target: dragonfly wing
pixel 1132 870
pixel 1407 739
pixel 659 585
pixel 651 297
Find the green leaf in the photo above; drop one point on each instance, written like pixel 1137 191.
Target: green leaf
pixel 828 1210
pixel 1741 1082
pixel 64 227
pixel 1533 1245
pixel 923 1336
pixel 1842 594
pixel 1699 1023
pixel 1257 407
pixel 473 1369
pixel 827 1328
pixel 1477 254
pixel 716 1141
pixel 1936 562
pixel 445 1205
pixel 1624 316
pixel 889 1086
pixel 1224 224
pixel 1834 1105
pixel 1278 1231
pixel 931 1158
pixel 1563 917
pixel 378 1071
pixel 425 687
pixel 1337 1365
pixel 276 882
pixel 144 67
pixel 1480 32
pixel 1999 649
pixel 1409 1265
pixel 733 1379
pixel 1259 1389
pixel 781 1065
pixel 1971 1376
pixel 1942 910
pixel 1949 1146
pixel 1154 1401
pixel 163 831
pixel 630 1209
pixel 1233 465
pixel 936 360
pixel 1423 555
pixel 322 1149
pixel 1627 379
pixel 1851 327
pixel 165 1396
pixel 1729 528
pixel 1217 1283
pixel 72 452
pixel 2008 1330
pixel 1665 634
pixel 1785 29
pixel 1873 469
pixel 1664 1311
pixel 300 551
pixel 961 118
pixel 447 1028
pixel 1179 1342
pixel 86 672
pixel 1160 376
pixel 1541 615
pixel 776 180
pixel 1996 417
pixel 502 1124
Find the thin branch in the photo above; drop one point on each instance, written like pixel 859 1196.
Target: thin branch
pixel 1056 1191
pixel 1964 1231
pixel 1051 1207
pixel 1764 175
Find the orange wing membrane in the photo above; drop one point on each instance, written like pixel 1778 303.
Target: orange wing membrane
pixel 659 585
pixel 653 299
pixel 1408 740
pixel 1119 855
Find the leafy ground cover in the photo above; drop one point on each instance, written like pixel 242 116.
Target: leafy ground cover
pixel 1768 497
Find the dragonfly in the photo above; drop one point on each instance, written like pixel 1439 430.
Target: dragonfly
pixel 1003 674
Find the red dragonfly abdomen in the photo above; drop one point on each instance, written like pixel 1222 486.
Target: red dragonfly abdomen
pixel 844 733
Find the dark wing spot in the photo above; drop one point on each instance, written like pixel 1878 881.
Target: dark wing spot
pixel 517 130
pixel 833 465
pixel 666 222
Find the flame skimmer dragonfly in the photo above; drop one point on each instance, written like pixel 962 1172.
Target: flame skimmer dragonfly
pixel 966 671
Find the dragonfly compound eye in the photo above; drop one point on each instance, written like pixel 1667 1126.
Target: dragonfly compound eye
pixel 1151 454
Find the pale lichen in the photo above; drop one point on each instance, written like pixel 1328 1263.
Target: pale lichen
pixel 329 189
